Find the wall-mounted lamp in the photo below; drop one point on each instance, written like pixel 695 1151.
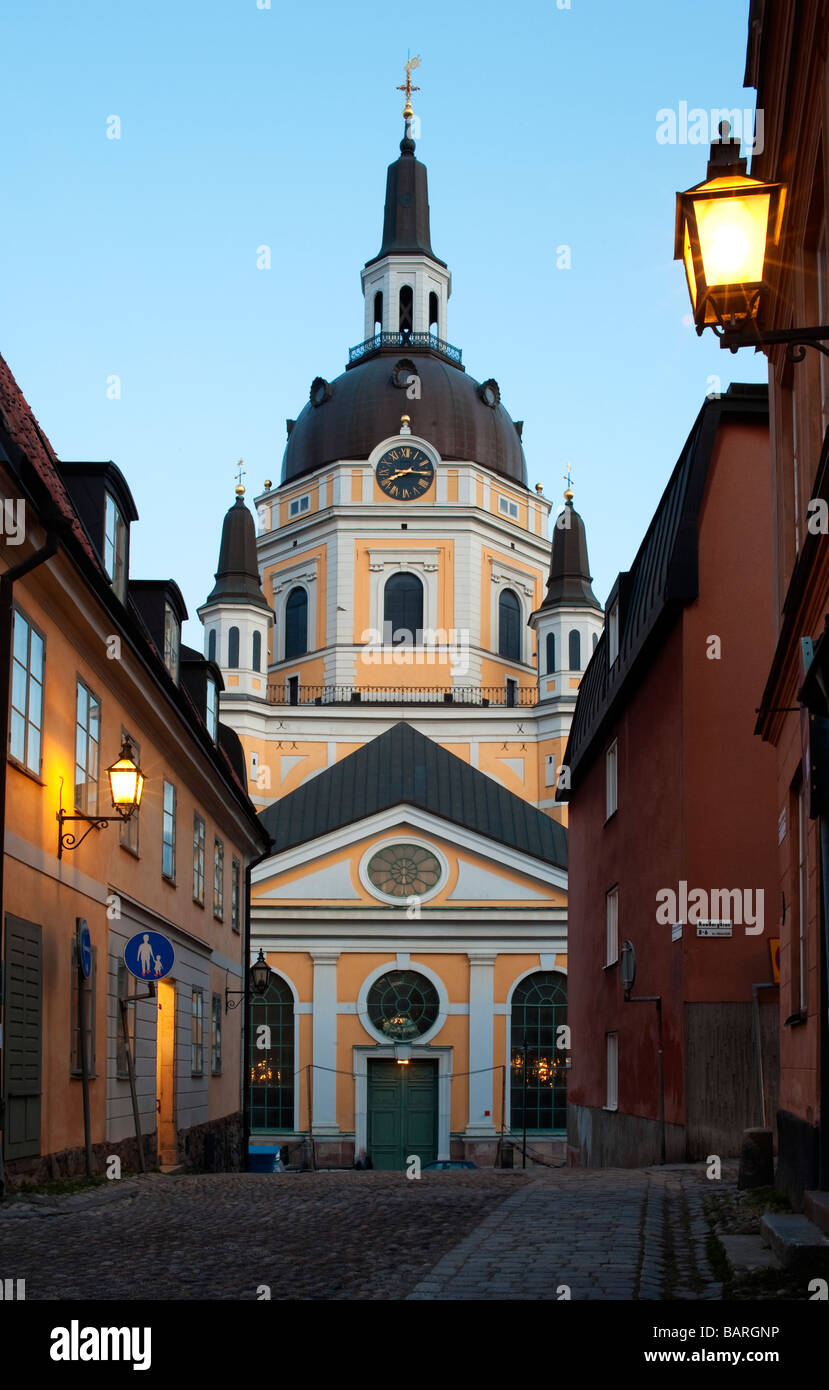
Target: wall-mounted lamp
pixel 402 1054
pixel 727 234
pixel 126 784
pixel 259 978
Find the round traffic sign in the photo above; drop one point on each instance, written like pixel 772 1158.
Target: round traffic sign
pixel 84 947
pixel 149 956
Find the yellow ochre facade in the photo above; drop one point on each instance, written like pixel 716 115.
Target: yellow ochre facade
pixel 401 653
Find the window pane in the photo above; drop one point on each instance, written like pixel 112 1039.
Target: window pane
pixel 36 655
pixel 19 687
pixel 33 751
pixel 21 639
pixel 17 741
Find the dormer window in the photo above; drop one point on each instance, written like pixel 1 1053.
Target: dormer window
pixel 115 548
pixel 172 641
pixel 212 719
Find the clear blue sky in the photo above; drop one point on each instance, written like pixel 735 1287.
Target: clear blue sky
pixel 243 126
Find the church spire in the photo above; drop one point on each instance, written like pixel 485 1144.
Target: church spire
pixel 570 581
pixel 406 286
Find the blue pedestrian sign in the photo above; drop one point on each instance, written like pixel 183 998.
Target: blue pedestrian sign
pixel 149 956
pixel 84 947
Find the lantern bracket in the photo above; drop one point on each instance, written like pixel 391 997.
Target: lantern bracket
pixel 796 340
pixel 67 839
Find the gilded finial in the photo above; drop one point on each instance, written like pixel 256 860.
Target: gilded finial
pixel 240 491
pixel 408 87
pixel 568 492
pixel 405 424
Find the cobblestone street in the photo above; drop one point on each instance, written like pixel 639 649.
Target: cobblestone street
pixel 544 1234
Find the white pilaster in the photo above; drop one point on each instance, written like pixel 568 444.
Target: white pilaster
pixel 481 1042
pixel 325 1041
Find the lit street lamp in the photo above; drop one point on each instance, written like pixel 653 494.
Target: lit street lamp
pixel 727 234
pixel 126 784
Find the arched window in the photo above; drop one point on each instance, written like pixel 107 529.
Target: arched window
pixel 551 652
pixel 595 640
pixel 509 626
pixel 256 661
pixel 406 310
pixel 575 649
pixel 296 624
pixel 539 1008
pixel 403 610
pixel 434 314
pixel 211 644
pixel 378 312
pixel 272 1067
pixel 233 647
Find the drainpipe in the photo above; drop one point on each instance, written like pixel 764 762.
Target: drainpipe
pixel 246 952
pixel 7 582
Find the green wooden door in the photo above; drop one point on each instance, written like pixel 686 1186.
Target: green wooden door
pixel 402 1113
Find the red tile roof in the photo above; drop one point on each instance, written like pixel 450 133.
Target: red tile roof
pixel 17 418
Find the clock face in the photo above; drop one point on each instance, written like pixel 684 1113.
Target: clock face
pixel 405 472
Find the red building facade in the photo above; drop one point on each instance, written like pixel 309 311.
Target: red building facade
pixel 672 822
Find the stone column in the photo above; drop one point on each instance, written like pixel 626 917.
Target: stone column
pixel 324 1020
pixel 481 1040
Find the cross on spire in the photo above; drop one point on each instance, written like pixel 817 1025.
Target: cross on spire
pixel 240 475
pixel 408 86
pixel 569 478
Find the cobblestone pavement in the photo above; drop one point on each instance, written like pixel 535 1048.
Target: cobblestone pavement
pixel 602 1233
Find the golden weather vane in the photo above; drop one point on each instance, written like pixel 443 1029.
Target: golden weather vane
pixel 408 86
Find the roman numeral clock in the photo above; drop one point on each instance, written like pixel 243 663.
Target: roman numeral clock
pixel 404 472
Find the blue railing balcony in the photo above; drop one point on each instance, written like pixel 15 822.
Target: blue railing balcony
pixel 404 340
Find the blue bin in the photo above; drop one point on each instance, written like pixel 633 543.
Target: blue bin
pixel 262 1158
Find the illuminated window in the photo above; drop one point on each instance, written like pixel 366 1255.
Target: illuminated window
pixel 272 1065
pixel 539 1011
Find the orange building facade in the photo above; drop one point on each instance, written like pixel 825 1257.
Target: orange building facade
pixel 92 657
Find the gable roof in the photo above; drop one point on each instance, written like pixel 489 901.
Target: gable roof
pixel 403 766
pixel 663 576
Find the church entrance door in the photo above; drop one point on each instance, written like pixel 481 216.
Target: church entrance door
pixel 402 1112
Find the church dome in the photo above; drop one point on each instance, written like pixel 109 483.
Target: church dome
pixel 363 406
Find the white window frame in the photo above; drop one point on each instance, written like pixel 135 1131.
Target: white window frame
pixel 299 505
pixel 611 779
pixel 197 1031
pixel 115 547
pixel 30 680
pixel 168 821
pixel 612 925
pixel 212 709
pixel 172 641
pixel 611 1071
pixel 199 841
pixel 508 507
pixel 88 800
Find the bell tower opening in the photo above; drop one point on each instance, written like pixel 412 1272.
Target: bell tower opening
pixel 406 312
pixel 434 315
pixel 378 312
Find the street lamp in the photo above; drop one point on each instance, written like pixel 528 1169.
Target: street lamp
pixel 727 235
pixel 126 784
pixel 259 978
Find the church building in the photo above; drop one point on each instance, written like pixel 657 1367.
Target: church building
pixel 401 650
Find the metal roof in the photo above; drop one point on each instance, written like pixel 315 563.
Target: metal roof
pixel 663 576
pixel 403 766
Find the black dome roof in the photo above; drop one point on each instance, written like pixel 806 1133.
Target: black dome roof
pixel 237 576
pixel 364 406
